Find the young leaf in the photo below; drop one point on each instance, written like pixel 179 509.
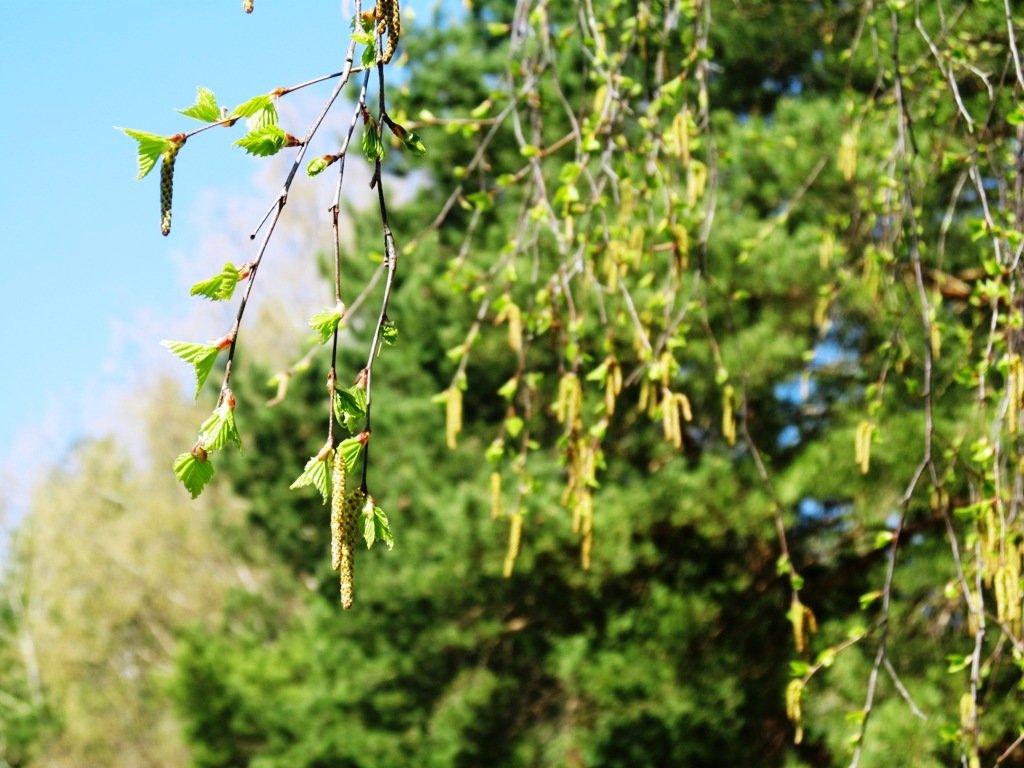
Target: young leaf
pixel 868 598
pixel 326 323
pixel 509 388
pixel 414 143
pixel 350 450
pixel 373 148
pixel 219 287
pixel 151 148
pixel 376 526
pixel 259 110
pixel 369 55
pixel 201 356
pixel 193 472
pixel 263 141
pixel 389 333
pixel 320 164
pixel 205 109
pixel 316 473
pixel 219 429
pixel 349 406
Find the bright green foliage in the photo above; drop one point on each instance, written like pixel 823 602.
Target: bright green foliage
pixel 219 429
pixel 350 450
pixel 219 287
pixel 194 472
pixel 151 149
pixel 316 473
pixel 376 526
pixel 326 323
pixel 263 141
pixel 320 164
pixel 373 147
pixel 202 357
pixel 205 109
pixel 414 143
pixel 350 407
pixel 369 55
pixel 260 112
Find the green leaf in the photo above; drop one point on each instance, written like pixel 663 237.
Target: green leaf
pixel 205 108
pixel 151 149
pixel 320 164
pixel 259 111
pixel 317 473
pixel 826 658
pixel 376 526
pixel 369 56
pixel 599 374
pixel 514 426
pixel 373 148
pixel 868 598
pixel 219 287
pixel 495 451
pixel 883 539
pixel 326 323
pixel 957 662
pixel 481 201
pixel 389 333
pixel 263 141
pixel 509 388
pixel 798 668
pixel 349 407
pixel 456 353
pixel 350 450
pixel 219 429
pixel 414 143
pixel 201 356
pixel 193 472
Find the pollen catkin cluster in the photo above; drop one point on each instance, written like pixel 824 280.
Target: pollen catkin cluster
pixel 389 20
pixel 338 473
pixel 345 511
pixel 167 186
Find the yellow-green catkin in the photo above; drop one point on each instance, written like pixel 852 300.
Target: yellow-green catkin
pixel 346 563
pixel 338 475
pixel 515 535
pixel 389 19
pixel 345 510
pixel 167 186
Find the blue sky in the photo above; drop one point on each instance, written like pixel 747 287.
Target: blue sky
pixel 84 270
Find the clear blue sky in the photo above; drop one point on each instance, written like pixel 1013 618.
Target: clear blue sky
pixel 81 255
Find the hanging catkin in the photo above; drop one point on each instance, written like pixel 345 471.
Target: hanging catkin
pixel 337 503
pixel 167 186
pixel 389 20
pixel 345 510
